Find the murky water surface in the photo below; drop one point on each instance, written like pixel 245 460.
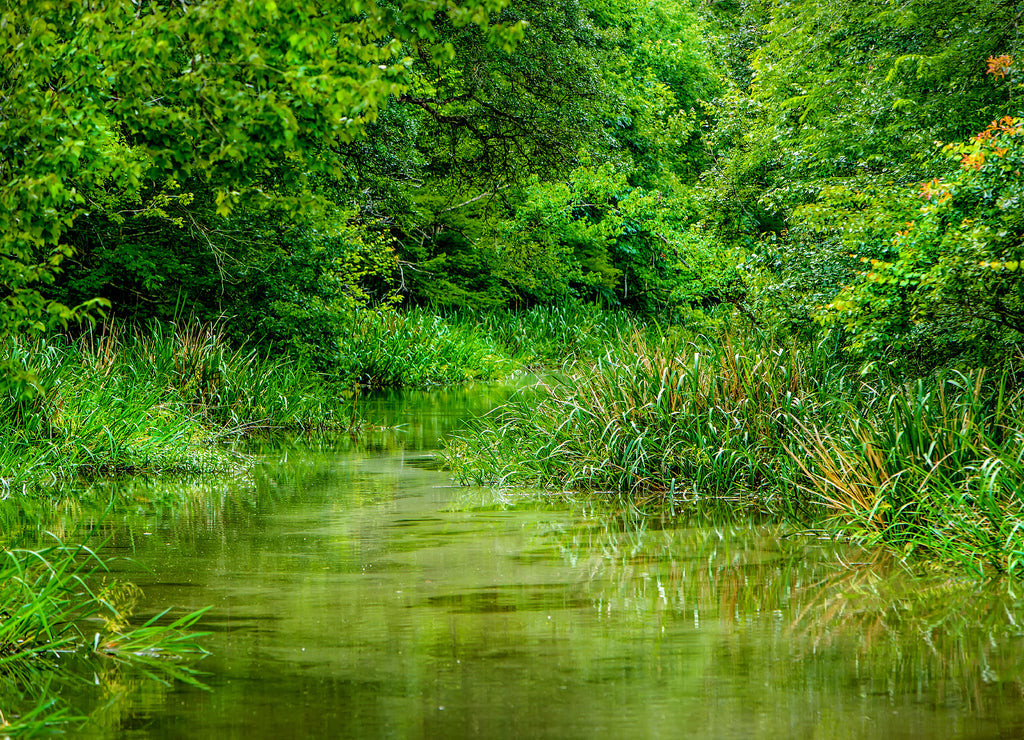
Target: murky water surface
pixel 356 593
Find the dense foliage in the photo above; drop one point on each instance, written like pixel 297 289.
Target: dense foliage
pixel 819 173
pixel 286 165
pixel 817 165
pixel 837 116
pixel 162 143
pixel 774 250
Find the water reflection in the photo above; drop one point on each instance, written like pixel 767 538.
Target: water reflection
pixel 355 592
pixel 951 642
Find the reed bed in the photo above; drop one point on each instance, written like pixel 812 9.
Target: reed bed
pixel 414 348
pixel 418 347
pixel 937 466
pixel 551 336
pixel 124 399
pixel 934 466
pixel 680 420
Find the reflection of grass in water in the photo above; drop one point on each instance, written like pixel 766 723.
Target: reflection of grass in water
pixel 956 638
pixel 117 511
pixel 958 634
pixel 52 607
pixel 96 506
pixel 96 694
pixel 367 439
pixel 113 509
pixel 959 637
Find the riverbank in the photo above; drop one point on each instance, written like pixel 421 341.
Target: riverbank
pixel 164 398
pixel 156 400
pixel 931 467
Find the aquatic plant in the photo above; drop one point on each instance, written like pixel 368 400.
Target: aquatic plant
pixel 673 418
pixel 124 399
pixel 130 400
pixel 55 606
pixel 414 347
pixel 419 347
pixel 937 466
pixel 550 336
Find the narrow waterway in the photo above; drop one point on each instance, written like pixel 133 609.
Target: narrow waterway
pixel 356 593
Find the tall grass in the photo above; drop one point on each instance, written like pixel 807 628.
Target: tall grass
pixel 131 400
pixel 126 399
pixel 934 466
pixel 545 337
pixel 657 418
pixel 417 347
pixel 53 607
pixel 390 349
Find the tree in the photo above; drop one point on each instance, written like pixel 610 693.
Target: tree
pixel 845 103
pixel 108 111
pixel 612 85
pixel 953 280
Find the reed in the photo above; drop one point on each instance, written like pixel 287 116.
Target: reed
pixel 551 336
pixel 132 400
pixel 389 349
pixel 668 418
pixel 933 467
pixel 53 608
pixel 937 467
pixel 417 347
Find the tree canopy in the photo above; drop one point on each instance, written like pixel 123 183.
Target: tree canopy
pixel 816 165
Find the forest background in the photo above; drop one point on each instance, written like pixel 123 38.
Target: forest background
pixel 222 215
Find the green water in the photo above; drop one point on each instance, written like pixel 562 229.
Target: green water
pixel 356 593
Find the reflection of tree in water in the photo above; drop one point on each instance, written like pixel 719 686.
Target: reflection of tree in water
pixel 896 631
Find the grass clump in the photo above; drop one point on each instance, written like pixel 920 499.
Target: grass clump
pixel 153 400
pixel 934 466
pixel 682 419
pixel 53 611
pixel 551 336
pixel 417 347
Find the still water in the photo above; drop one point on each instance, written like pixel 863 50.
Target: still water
pixel 356 593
